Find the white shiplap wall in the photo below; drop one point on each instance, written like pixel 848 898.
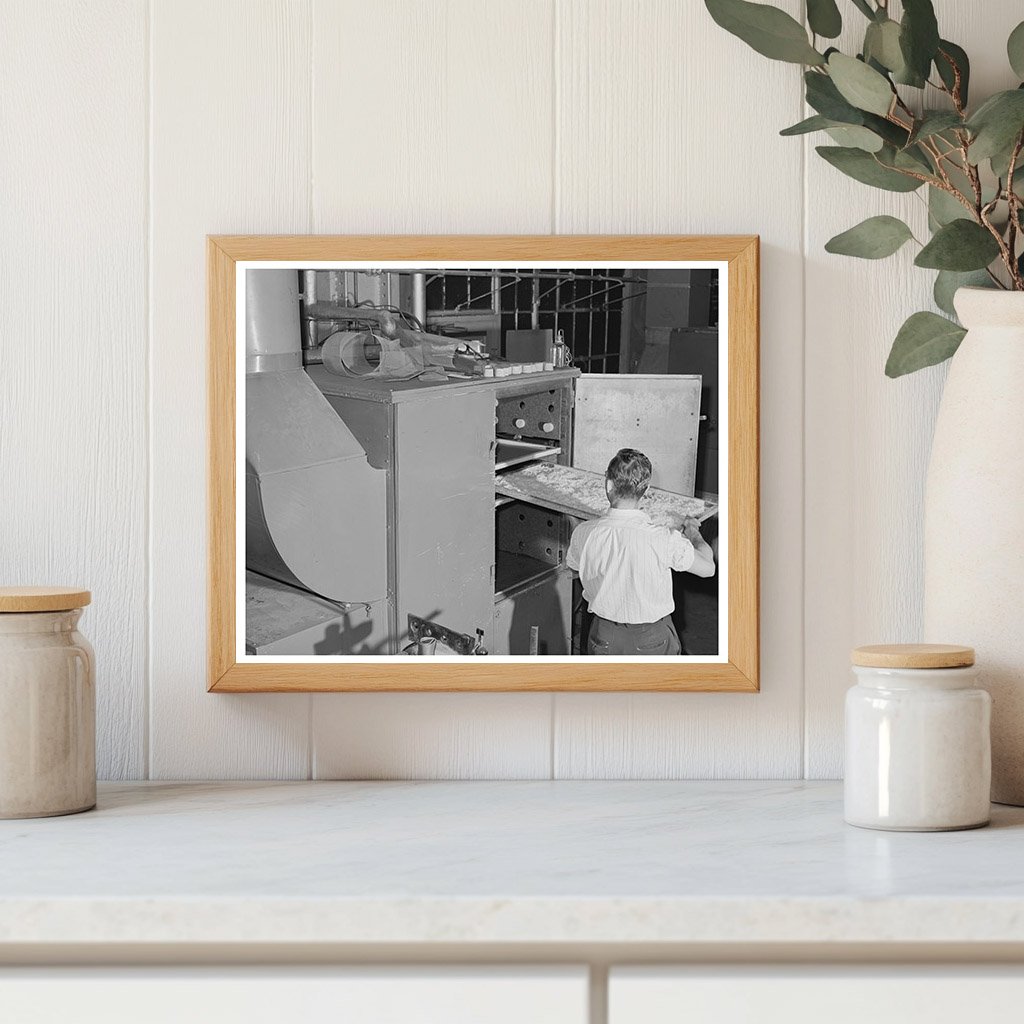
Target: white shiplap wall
pixel 74 352
pixel 134 129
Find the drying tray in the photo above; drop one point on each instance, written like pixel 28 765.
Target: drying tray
pixel 510 452
pixel 580 493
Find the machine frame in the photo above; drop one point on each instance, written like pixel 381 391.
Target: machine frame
pixel 739 673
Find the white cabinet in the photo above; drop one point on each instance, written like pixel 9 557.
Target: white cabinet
pixel 812 995
pixel 277 995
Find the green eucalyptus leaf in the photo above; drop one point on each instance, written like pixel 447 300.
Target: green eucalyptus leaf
pixel 866 168
pixel 948 281
pixel 949 55
pixel 872 239
pixel 855 136
pixel 824 97
pixel 860 85
pixel 944 208
pixel 959 245
pixel 817 123
pixel 882 44
pixel 892 133
pixel 934 122
pixel 1015 50
pixel 1000 161
pixel 865 8
pixel 907 76
pixel 912 159
pixel 996 125
pixel 769 31
pixel 926 339
pixel 824 18
pixel 919 37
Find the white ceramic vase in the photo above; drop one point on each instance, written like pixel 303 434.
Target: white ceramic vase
pixel 974 518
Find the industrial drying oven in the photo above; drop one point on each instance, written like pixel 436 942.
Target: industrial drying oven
pixel 437 553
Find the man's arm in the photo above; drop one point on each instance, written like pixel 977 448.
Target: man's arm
pixel 703 556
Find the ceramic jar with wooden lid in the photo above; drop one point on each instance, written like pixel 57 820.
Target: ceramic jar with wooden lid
pixel 47 704
pixel 918 750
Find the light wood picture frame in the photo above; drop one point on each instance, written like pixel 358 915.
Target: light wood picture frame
pixel 737 669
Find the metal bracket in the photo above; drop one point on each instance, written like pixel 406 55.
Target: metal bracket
pixel 461 643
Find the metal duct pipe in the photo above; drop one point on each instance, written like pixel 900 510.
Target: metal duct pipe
pixel 419 298
pixel 327 312
pixel 273 336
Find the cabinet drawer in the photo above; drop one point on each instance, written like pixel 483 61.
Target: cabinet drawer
pixel 812 995
pixel 229 995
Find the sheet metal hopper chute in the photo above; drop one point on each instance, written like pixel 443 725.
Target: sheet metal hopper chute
pixel 315 513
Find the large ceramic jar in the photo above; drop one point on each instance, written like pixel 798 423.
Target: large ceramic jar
pixel 974 517
pixel 47 704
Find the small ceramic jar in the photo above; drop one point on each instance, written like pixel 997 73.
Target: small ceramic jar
pixel 47 704
pixel 918 753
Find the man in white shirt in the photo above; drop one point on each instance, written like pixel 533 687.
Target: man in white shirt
pixel 625 563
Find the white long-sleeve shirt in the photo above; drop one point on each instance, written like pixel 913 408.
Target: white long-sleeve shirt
pixel 625 563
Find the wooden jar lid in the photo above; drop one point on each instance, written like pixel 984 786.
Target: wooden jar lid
pixel 42 599
pixel 913 656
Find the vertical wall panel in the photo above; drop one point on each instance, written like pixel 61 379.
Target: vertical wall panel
pixel 868 437
pixel 230 153
pixel 432 117
pixel 73 328
pixel 667 124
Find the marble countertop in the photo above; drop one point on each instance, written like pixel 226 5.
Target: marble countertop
pixel 500 862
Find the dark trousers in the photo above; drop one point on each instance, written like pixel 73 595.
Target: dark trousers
pixel 633 639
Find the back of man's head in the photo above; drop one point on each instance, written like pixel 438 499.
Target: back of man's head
pixel 628 475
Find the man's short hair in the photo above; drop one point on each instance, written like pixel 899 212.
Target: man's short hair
pixel 629 473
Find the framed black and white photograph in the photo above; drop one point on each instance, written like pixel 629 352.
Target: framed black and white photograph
pixel 483 463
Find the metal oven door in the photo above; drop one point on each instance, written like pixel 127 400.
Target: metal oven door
pixel 658 414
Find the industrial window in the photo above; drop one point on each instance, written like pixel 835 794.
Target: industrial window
pixel 585 305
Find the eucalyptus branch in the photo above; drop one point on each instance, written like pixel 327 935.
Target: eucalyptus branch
pixel 1004 252
pixel 934 182
pixel 965 236
pixel 949 154
pixel 1014 207
pixel 954 93
pixel 972 176
pixel 937 157
pixel 893 119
